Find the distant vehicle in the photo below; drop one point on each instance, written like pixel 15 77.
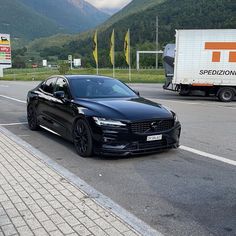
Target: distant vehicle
pixel 101 115
pixel 202 60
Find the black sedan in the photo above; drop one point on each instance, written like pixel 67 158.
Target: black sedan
pixel 101 115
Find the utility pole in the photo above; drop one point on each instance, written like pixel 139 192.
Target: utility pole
pixel 157 40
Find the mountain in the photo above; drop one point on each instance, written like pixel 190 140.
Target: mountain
pixel 173 14
pixel 73 15
pixel 30 19
pixel 22 22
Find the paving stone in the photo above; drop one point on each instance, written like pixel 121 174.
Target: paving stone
pixel 113 232
pixel 49 210
pixel 63 212
pixel 25 231
pixel 27 214
pixel 33 223
pixel 4 220
pixel 9 230
pixel 56 233
pixel 40 232
pixel 7 205
pixel 71 220
pixel 65 228
pixel 15 199
pixel 49 225
pixel 98 231
pixel 57 219
pixel 81 230
pixel 12 213
pixel 77 213
pixel 18 221
pixel 87 222
pixel 102 223
pixel 4 197
pixel 41 216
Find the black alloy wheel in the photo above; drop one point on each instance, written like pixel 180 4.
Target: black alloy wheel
pixel 226 94
pixel 32 118
pixel 83 139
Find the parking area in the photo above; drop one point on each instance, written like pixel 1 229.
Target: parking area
pixel 189 191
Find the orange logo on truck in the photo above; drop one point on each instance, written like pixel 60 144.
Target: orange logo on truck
pixel 218 47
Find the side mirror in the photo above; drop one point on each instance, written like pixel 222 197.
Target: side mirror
pixel 59 94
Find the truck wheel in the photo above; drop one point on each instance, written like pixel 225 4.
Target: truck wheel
pixel 184 91
pixel 226 94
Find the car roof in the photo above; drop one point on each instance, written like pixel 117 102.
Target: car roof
pixel 73 77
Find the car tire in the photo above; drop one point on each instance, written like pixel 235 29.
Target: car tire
pixel 32 118
pixel 82 138
pixel 226 94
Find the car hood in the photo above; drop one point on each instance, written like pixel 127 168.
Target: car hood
pixel 131 109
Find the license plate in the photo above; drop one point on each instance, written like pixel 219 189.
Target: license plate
pixel 154 138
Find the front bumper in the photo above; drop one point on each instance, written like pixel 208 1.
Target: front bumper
pixel 122 142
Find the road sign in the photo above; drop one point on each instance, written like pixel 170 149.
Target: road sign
pixel 5 51
pixel 77 62
pixel 70 58
pixel 45 63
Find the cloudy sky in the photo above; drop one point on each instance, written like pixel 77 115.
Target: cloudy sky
pixel 109 4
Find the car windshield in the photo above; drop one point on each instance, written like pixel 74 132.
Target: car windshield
pixel 99 88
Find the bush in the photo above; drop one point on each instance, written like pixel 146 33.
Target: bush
pixel 64 67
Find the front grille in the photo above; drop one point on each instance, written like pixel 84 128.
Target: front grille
pixel 152 126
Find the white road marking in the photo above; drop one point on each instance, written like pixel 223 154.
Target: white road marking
pixel 12 124
pixel 204 103
pixel 4 86
pixel 13 99
pixel 211 156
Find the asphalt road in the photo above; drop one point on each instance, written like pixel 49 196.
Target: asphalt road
pixel 176 192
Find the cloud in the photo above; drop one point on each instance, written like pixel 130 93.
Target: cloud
pixel 109 4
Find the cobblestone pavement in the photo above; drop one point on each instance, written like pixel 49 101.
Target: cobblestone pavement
pixel 36 200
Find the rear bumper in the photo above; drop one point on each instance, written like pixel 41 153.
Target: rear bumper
pixel 135 144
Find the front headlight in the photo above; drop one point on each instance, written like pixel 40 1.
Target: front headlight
pixel 107 122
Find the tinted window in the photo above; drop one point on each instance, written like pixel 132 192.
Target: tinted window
pixel 48 85
pixel 61 85
pixel 99 88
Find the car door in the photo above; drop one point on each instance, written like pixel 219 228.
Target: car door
pixel 63 110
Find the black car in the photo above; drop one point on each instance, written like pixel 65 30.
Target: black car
pixel 101 115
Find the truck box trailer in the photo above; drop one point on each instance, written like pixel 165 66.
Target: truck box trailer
pixel 202 60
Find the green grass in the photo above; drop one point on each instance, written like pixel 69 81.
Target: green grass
pixel 141 76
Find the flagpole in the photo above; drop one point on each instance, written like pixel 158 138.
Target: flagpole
pixel 97 50
pixel 114 55
pixel 129 57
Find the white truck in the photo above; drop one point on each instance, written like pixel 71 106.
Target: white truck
pixel 202 60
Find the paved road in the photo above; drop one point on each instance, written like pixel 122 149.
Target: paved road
pixel 176 192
